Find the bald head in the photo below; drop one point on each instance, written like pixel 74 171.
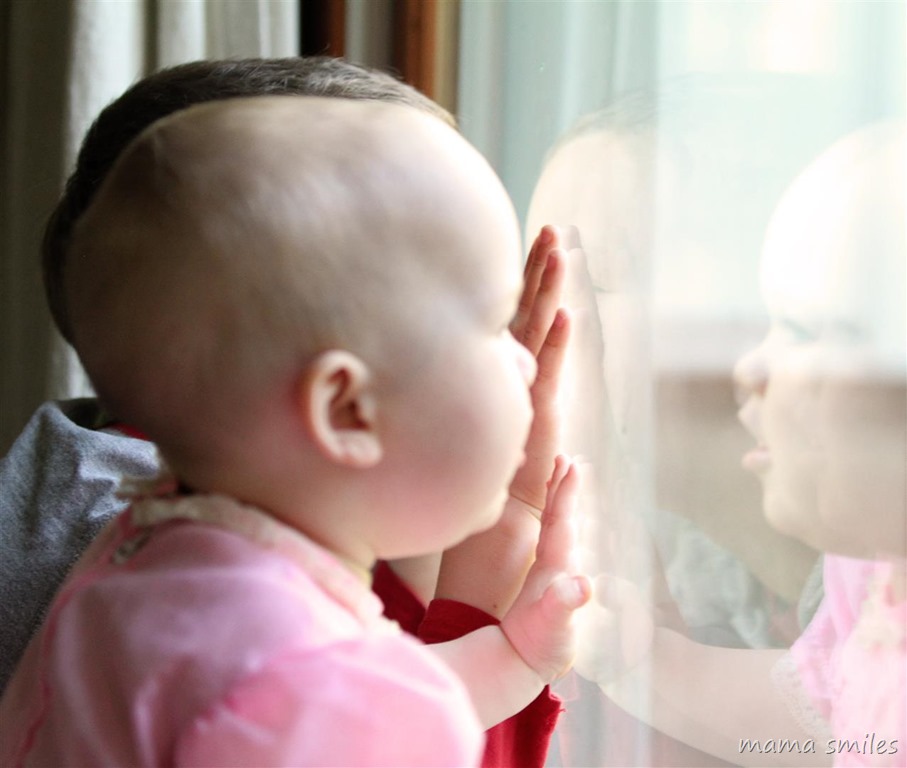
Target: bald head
pixel 834 254
pixel 234 241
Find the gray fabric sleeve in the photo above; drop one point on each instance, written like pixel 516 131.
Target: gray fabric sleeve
pixel 57 490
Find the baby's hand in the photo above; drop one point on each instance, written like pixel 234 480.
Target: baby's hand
pixel 539 624
pixel 542 327
pixel 488 570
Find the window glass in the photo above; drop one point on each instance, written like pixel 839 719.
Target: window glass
pixel 733 175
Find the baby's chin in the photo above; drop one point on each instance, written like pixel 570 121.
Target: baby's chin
pixel 788 519
pixel 780 511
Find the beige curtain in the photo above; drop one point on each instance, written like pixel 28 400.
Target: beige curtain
pixel 62 61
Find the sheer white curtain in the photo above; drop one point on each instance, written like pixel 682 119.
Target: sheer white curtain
pixel 696 117
pixel 63 61
pixel 528 70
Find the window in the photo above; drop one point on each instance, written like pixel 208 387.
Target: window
pixel 667 134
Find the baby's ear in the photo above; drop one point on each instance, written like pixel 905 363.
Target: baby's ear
pixel 337 403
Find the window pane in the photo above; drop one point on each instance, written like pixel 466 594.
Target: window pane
pixel 733 178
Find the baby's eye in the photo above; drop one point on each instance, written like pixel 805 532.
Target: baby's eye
pixel 798 332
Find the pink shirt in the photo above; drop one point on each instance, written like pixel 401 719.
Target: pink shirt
pixel 872 682
pixel 852 665
pixel 198 631
pixel 817 652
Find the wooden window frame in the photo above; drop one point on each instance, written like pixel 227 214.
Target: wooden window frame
pixel 422 45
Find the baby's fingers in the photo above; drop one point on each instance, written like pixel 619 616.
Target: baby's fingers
pixel 529 482
pixel 561 466
pixel 543 286
pixel 548 238
pixel 567 593
pixel 550 360
pixel 556 536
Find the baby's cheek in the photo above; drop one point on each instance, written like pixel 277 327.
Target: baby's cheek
pixel 864 422
pixel 865 433
pixel 791 430
pixel 790 417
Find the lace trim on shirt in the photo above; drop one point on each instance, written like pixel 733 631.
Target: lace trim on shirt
pixel 786 679
pixel 159 500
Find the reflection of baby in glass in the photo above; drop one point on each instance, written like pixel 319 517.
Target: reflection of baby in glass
pixel 825 399
pixel 258 310
pixel 825 396
pixel 671 191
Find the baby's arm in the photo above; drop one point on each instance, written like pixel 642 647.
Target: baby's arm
pixel 505 667
pixel 487 570
pixel 708 697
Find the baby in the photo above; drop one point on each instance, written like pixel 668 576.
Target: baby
pixel 265 331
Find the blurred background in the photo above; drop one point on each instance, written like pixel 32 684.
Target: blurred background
pixel 664 132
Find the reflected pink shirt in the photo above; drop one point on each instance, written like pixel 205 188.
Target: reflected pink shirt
pixel 852 664
pixel 198 631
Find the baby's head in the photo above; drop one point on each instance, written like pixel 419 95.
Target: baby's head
pixel 169 90
pixel 304 302
pixel 827 389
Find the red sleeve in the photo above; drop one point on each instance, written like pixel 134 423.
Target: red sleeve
pixel 400 603
pixel 125 429
pixel 523 739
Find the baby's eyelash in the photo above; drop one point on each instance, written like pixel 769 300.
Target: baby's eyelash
pixel 799 331
pixel 827 328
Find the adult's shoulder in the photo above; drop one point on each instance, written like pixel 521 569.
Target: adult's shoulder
pixel 61 430
pixel 62 473
pixel 58 486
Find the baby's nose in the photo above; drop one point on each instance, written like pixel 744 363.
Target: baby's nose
pixel 751 374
